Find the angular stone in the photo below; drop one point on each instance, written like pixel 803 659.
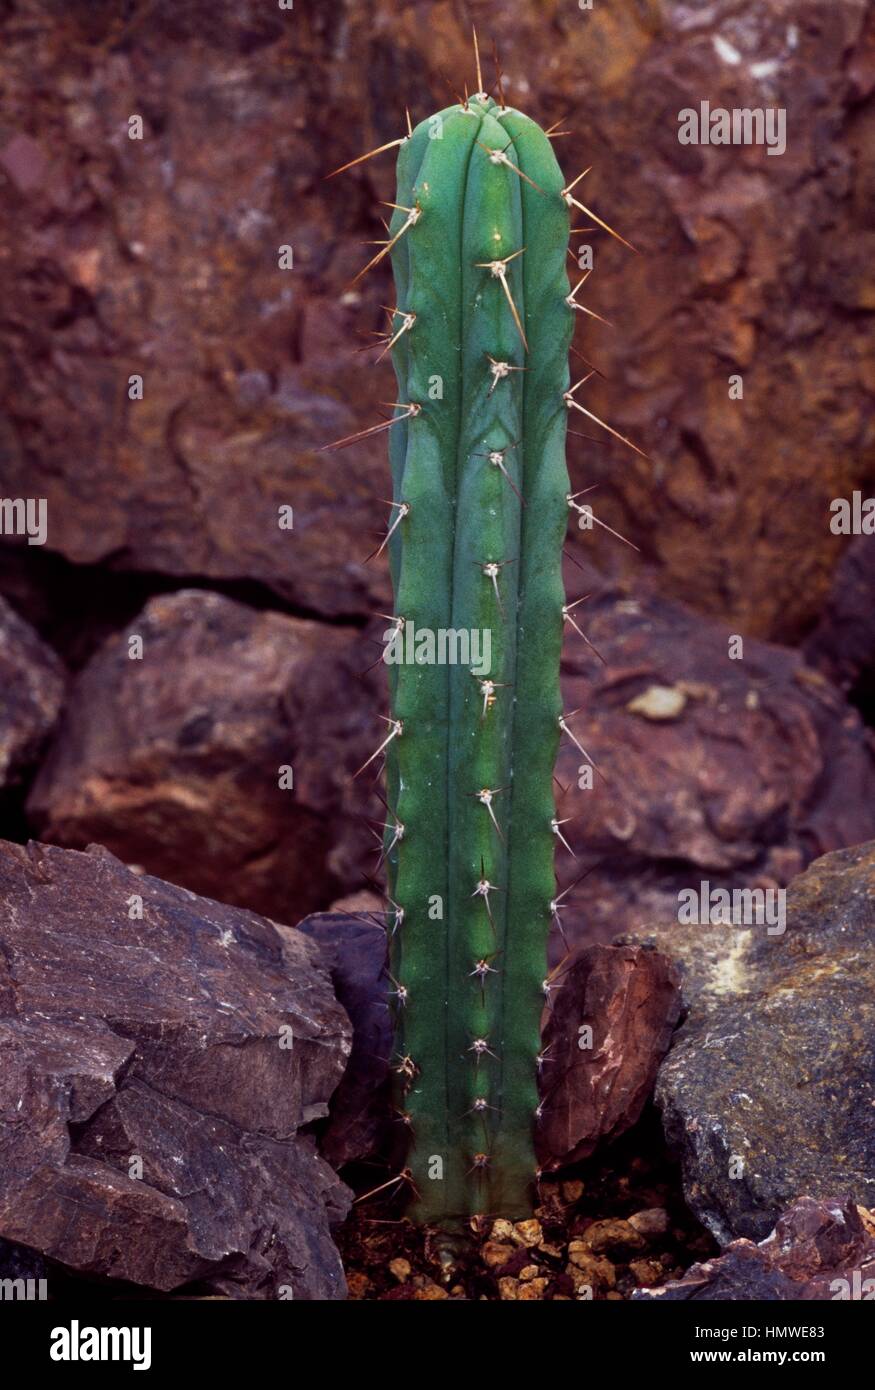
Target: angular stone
pixel 173 762
pixel 161 1053
pixel 628 997
pixel 768 1090
pixel 763 768
pixel 354 950
pixel 32 683
pixel 818 1252
pixel 843 643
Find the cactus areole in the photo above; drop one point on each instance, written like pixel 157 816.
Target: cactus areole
pixel 481 334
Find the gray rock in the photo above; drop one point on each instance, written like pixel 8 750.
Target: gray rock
pixel 818 1252
pixel 32 682
pixel 768 1091
pixel 353 947
pixel 156 1073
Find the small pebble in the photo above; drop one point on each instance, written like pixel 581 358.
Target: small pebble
pixel 501 1230
pixel 401 1269
pixel 613 1234
pixel 527 1233
pixel 646 1272
pixel 653 1221
pixel 529 1272
pixel 533 1290
pixel 572 1191
pixel 658 702
pixel 508 1288
pixel 495 1253
pixel 429 1292
pixel 586 1268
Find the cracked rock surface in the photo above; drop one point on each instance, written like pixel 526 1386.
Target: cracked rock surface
pixel 156 1074
pixel 768 1091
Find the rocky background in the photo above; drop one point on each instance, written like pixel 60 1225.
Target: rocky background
pixel 158 258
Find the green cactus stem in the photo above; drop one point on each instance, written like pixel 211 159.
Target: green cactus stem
pixel 480 507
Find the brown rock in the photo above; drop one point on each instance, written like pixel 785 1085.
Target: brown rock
pixel 585 1268
pixel 173 761
pixel 162 259
pixel 730 255
pixel 32 682
pixel 609 1028
pixel 765 767
pixel 495 1253
pixel 646 1271
pixel 160 256
pixel 358 1285
pixel 430 1292
pixel 527 1233
pixel 614 1235
pixel 161 1053
pixel 532 1291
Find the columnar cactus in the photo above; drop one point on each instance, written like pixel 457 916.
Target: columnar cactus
pixel 479 336
pixel 480 487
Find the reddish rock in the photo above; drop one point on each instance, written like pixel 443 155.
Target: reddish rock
pixel 156 1072
pixel 160 257
pixel 173 761
pixel 818 1252
pixel 32 682
pixel 734 771
pixel 628 995
pixel 607 1031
